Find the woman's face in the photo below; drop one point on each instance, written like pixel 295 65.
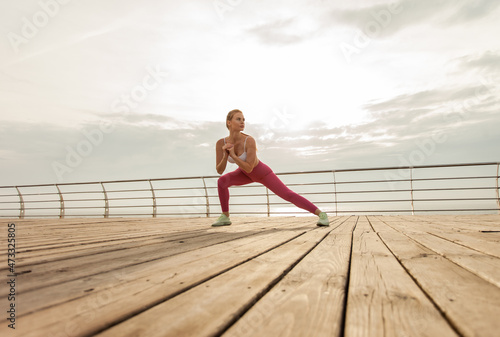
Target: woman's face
pixel 238 122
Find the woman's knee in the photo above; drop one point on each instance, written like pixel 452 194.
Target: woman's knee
pixel 289 196
pixel 223 182
pixel 285 194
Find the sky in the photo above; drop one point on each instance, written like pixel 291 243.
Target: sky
pixel 109 90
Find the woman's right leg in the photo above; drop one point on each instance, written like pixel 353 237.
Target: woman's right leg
pixel 274 183
pixel 264 175
pixel 235 178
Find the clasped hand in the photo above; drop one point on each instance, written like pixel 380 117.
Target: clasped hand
pixel 229 148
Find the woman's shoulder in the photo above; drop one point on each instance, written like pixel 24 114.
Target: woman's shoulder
pixel 250 139
pixel 247 136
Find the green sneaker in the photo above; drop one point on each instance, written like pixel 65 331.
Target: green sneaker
pixel 323 220
pixel 223 220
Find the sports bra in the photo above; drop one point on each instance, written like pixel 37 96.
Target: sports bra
pixel 243 155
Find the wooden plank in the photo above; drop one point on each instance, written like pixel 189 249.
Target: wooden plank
pixel 488 243
pixel 85 238
pixel 77 287
pixel 60 271
pixel 202 311
pixel 459 287
pixel 485 266
pixel 125 229
pixel 482 242
pixel 309 300
pixel 383 300
pixel 471 304
pixel 50 237
pixel 101 240
pixel 64 253
pixel 454 223
pixel 96 302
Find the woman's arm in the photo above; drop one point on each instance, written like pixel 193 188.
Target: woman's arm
pixel 249 163
pixel 221 156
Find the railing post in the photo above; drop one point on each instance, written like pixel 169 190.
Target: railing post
pixel 154 198
pixel 335 192
pixel 207 200
pixel 268 205
pixel 106 202
pixel 498 192
pixel 411 190
pixel 21 204
pixel 61 201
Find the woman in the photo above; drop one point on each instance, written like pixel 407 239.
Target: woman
pixel 240 148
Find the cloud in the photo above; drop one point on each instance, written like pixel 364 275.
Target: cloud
pixel 434 109
pixel 487 63
pixel 393 17
pixel 161 122
pixel 280 32
pixel 90 55
pixel 455 124
pixel 51 49
pixel 139 146
pixel 130 149
pixel 470 10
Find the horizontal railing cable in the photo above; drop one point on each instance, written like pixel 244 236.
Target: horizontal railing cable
pixel 468 187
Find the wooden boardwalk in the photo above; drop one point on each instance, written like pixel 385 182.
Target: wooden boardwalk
pixel 281 276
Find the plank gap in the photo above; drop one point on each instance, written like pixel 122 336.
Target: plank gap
pixel 348 279
pixel 191 286
pixel 460 244
pixel 426 294
pixel 266 290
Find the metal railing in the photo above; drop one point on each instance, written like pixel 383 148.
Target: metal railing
pixel 384 190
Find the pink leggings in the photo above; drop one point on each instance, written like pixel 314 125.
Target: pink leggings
pixel 264 175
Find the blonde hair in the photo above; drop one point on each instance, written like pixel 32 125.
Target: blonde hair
pixel 230 116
